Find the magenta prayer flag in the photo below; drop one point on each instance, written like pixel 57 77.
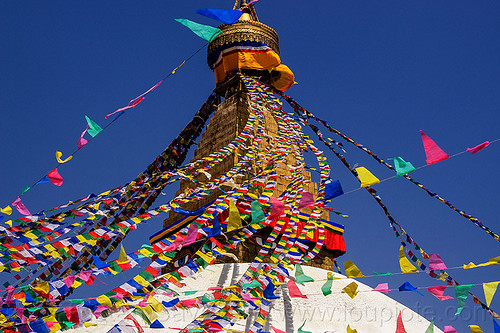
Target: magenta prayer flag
pixel 294 290
pixel 438 292
pixel 433 153
pixel 277 208
pixel 382 287
pixel 306 200
pixel 82 142
pixel 55 177
pixel 478 147
pixel 68 281
pixel 191 235
pixel 21 208
pixel 449 329
pixel 100 308
pixel 436 263
pixel 277 330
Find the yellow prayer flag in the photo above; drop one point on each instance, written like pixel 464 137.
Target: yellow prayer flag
pixel 406 265
pixel 89 324
pixel 59 155
pixel 104 300
pixel 351 270
pixel 351 289
pixel 350 330
pixel 366 177
pixel 140 280
pixel 234 219
pixel 469 265
pixel 150 313
pixel 122 259
pixel 9 223
pixel 157 306
pixel 475 329
pixel 489 290
pixel 495 260
pixel 7 210
pixel 43 287
pixel 232 297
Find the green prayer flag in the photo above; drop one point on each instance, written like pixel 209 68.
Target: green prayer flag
pixel 381 274
pixel 461 294
pixel 77 300
pixel 430 329
pixel 94 129
pixel 300 277
pixel 204 31
pixel 26 189
pixel 402 167
pixel 300 329
pixel 251 285
pixel 327 287
pixel 257 212
pixel 190 292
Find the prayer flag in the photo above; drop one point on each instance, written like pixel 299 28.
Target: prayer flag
pixel 156 324
pixel 122 259
pixel 405 264
pixel 438 292
pixel 7 210
pixel 204 31
pixel 55 177
pixel 496 327
pixel 277 208
pixel 59 155
pixel 475 329
pixel 294 290
pixel 300 277
pixel 327 287
pixel 461 294
pixel 191 235
pixel 21 208
pixel 82 142
pixel 433 153
pixel 351 289
pixel 215 230
pixel 277 330
pixel 93 129
pixel 234 219
pixel 400 327
pixel 408 287
pixel 300 328
pixel 436 263
pixel 350 330
pixel 489 290
pixel 478 147
pixel 449 329
pixel 256 211
pixel 306 200
pixel 269 291
pixel 224 15
pixel 366 177
pixel 333 189
pixel 351 270
pixel 430 329
pixel 402 167
pixel 382 287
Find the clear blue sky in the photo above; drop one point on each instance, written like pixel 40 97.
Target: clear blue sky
pixel 378 71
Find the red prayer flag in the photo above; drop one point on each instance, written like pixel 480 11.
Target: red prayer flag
pixel 478 147
pixel 433 153
pixel 438 292
pixel 294 290
pixel 400 327
pixel 55 177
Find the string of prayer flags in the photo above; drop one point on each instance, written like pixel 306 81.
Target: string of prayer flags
pixel 55 177
pixel 402 167
pixel 382 287
pixel 326 289
pixel 203 31
pixel 350 330
pixel 59 155
pixel 489 291
pixel 351 270
pixel 433 153
pixel 294 290
pixel 405 264
pixel 21 208
pixel 436 263
pixel 461 294
pixel 333 189
pixel 93 129
pixel 351 289
pixel 475 329
pixel 430 329
pixel 408 287
pixel 449 329
pixel 366 177
pixel 223 15
pixel 478 147
pixel 400 327
pixel 438 292
pixel 7 210
pixel 257 212
pixel 300 277
pixel 234 219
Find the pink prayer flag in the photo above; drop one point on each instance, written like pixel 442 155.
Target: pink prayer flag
pixel 433 153
pixel 191 235
pixel 294 290
pixel 277 208
pixel 23 318
pixel 69 280
pixel 306 200
pixel 21 208
pixel 85 275
pixel 100 308
pixel 382 287
pixel 214 288
pixel 143 303
pixel 277 330
pixel 82 142
pixel 436 263
pixel 189 303
pixel 400 327
pixel 177 242
pixel 449 329
pixel 438 292
pixel 55 177
pixel 10 295
pixel 478 147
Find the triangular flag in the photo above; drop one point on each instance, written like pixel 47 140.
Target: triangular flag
pixel 382 287
pixel 234 219
pixel 351 270
pixel 224 15
pixel 489 290
pixel 496 327
pixel 461 294
pixel 204 31
pixel 43 180
pixel 404 263
pixel 156 324
pixel 82 142
pixel 430 329
pixel 449 329
pixel 300 328
pixel 478 147
pixel 89 324
pixel 327 287
pixel 269 291
pixel 402 167
pixel 277 208
pixel 257 212
pixel 436 263
pixel 351 289
pixel 400 327
pixel 55 177
pixel 7 210
pixel 21 208
pixel 215 230
pixel 300 277
pixel 306 200
pixel 294 290
pixel 94 129
pixel 122 259
pixel 433 153
pixel 475 329
pixel 366 177
pixel 350 330
pixel 26 189
pixel 333 189
pixel 59 155
pixel 408 287
pixel 277 330
pixel 438 292
pixel 191 235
